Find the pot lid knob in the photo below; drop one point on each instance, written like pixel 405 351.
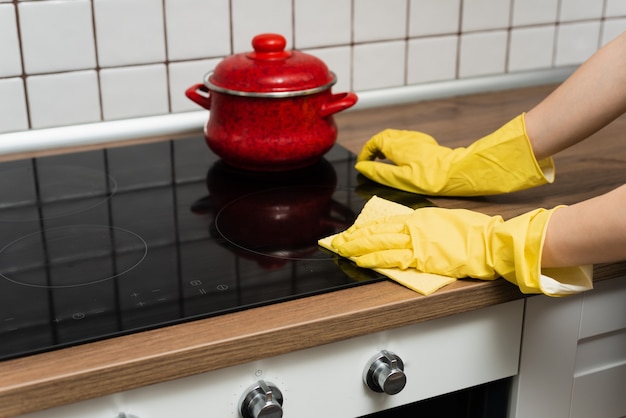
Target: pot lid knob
pixel 269 46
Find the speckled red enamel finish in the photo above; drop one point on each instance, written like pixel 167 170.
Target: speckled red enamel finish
pixel 269 134
pixel 264 132
pixel 270 68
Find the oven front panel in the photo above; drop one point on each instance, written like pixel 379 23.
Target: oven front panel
pixel 440 356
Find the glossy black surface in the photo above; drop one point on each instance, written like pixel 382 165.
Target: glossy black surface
pixel 102 243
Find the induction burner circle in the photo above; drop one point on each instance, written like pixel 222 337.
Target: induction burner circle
pixel 65 190
pixel 283 222
pixel 71 256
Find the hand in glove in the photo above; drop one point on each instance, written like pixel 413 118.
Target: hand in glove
pixel 500 162
pixel 456 243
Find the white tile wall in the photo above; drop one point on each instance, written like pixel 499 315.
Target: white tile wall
pixel 65 62
pixel 482 53
pixel 534 12
pixel 485 14
pixel 378 65
pixel 615 8
pixel 339 61
pixel 376 20
pixel 129 32
pixel 322 23
pixel 612 28
pixel 183 75
pixel 428 18
pixel 432 59
pixel 197 28
pixel 572 10
pixel 531 48
pixel 251 17
pixel 57 36
pixel 68 98
pixel 10 63
pixel 129 92
pixel 576 41
pixel 13 115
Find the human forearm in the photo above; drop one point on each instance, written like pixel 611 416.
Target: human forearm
pixel 587 101
pixel 589 232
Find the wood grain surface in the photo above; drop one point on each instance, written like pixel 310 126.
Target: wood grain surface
pixel 91 370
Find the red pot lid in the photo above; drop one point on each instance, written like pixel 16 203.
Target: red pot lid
pixel 270 69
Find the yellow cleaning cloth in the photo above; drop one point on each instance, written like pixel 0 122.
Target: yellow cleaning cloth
pixel 424 283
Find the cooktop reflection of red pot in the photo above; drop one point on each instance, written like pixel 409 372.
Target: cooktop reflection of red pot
pixel 270 109
pixel 263 216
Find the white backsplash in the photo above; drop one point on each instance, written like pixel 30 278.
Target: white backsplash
pixel 69 62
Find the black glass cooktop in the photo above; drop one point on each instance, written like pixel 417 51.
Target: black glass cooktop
pixel 103 243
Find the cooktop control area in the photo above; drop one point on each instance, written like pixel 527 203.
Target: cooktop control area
pixel 102 243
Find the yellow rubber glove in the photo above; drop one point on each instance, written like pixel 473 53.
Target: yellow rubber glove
pixel 500 162
pixel 456 243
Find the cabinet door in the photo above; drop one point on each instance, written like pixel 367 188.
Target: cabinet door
pixel 600 394
pixel 543 387
pixel 600 374
pixel 573 359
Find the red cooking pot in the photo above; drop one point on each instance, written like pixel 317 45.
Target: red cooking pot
pixel 270 109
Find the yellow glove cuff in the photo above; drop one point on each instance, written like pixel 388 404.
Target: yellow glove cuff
pixel 517 250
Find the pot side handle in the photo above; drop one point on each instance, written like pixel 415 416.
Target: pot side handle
pixel 203 100
pixel 337 103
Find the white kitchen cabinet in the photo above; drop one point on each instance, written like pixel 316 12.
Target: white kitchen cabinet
pixel 573 359
pixel 440 356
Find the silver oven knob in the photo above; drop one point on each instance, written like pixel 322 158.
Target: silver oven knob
pixel 385 373
pixel 261 400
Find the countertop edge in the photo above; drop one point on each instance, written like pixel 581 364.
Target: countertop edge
pixel 105 367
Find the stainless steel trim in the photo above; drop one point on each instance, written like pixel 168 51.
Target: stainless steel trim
pixel 269 94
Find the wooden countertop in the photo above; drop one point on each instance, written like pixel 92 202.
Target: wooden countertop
pixel 87 371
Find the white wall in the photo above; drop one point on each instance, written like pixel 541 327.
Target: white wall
pixel 69 62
